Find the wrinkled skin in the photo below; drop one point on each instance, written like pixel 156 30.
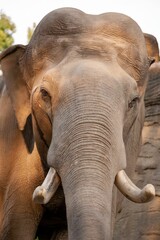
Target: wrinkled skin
pixel 152 46
pixel 83 79
pixel 145 218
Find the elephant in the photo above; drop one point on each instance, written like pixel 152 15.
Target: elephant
pixel 73 101
pixel 152 46
pixel 145 218
pixel 20 172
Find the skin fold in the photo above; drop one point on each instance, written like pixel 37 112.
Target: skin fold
pixel 74 100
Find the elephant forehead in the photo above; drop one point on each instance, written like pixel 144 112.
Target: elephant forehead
pixel 67 21
pixel 66 34
pixel 87 78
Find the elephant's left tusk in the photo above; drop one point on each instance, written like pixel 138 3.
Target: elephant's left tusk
pixel 131 191
pixel 42 194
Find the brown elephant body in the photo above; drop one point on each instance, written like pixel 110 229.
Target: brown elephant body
pixel 20 173
pixel 80 84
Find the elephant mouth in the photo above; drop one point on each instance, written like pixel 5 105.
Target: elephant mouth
pixel 43 193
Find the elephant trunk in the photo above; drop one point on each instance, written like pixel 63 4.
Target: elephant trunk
pixel 87 171
pixel 88 195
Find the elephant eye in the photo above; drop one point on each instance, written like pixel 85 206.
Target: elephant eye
pixel 133 102
pixel 45 95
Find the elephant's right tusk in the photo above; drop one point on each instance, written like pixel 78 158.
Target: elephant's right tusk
pixel 42 194
pixel 131 191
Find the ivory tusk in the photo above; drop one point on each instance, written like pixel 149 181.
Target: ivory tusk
pixel 131 191
pixel 42 194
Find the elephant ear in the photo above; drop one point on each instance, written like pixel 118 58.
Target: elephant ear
pixel 10 61
pixel 152 47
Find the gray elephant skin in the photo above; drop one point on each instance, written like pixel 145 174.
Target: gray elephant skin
pixel 72 100
pixel 145 218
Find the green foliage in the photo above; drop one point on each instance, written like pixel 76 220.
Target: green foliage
pixel 30 31
pixel 7 28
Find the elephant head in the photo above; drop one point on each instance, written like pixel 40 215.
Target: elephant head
pixel 83 79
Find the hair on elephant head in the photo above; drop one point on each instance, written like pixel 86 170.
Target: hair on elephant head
pixel 83 78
